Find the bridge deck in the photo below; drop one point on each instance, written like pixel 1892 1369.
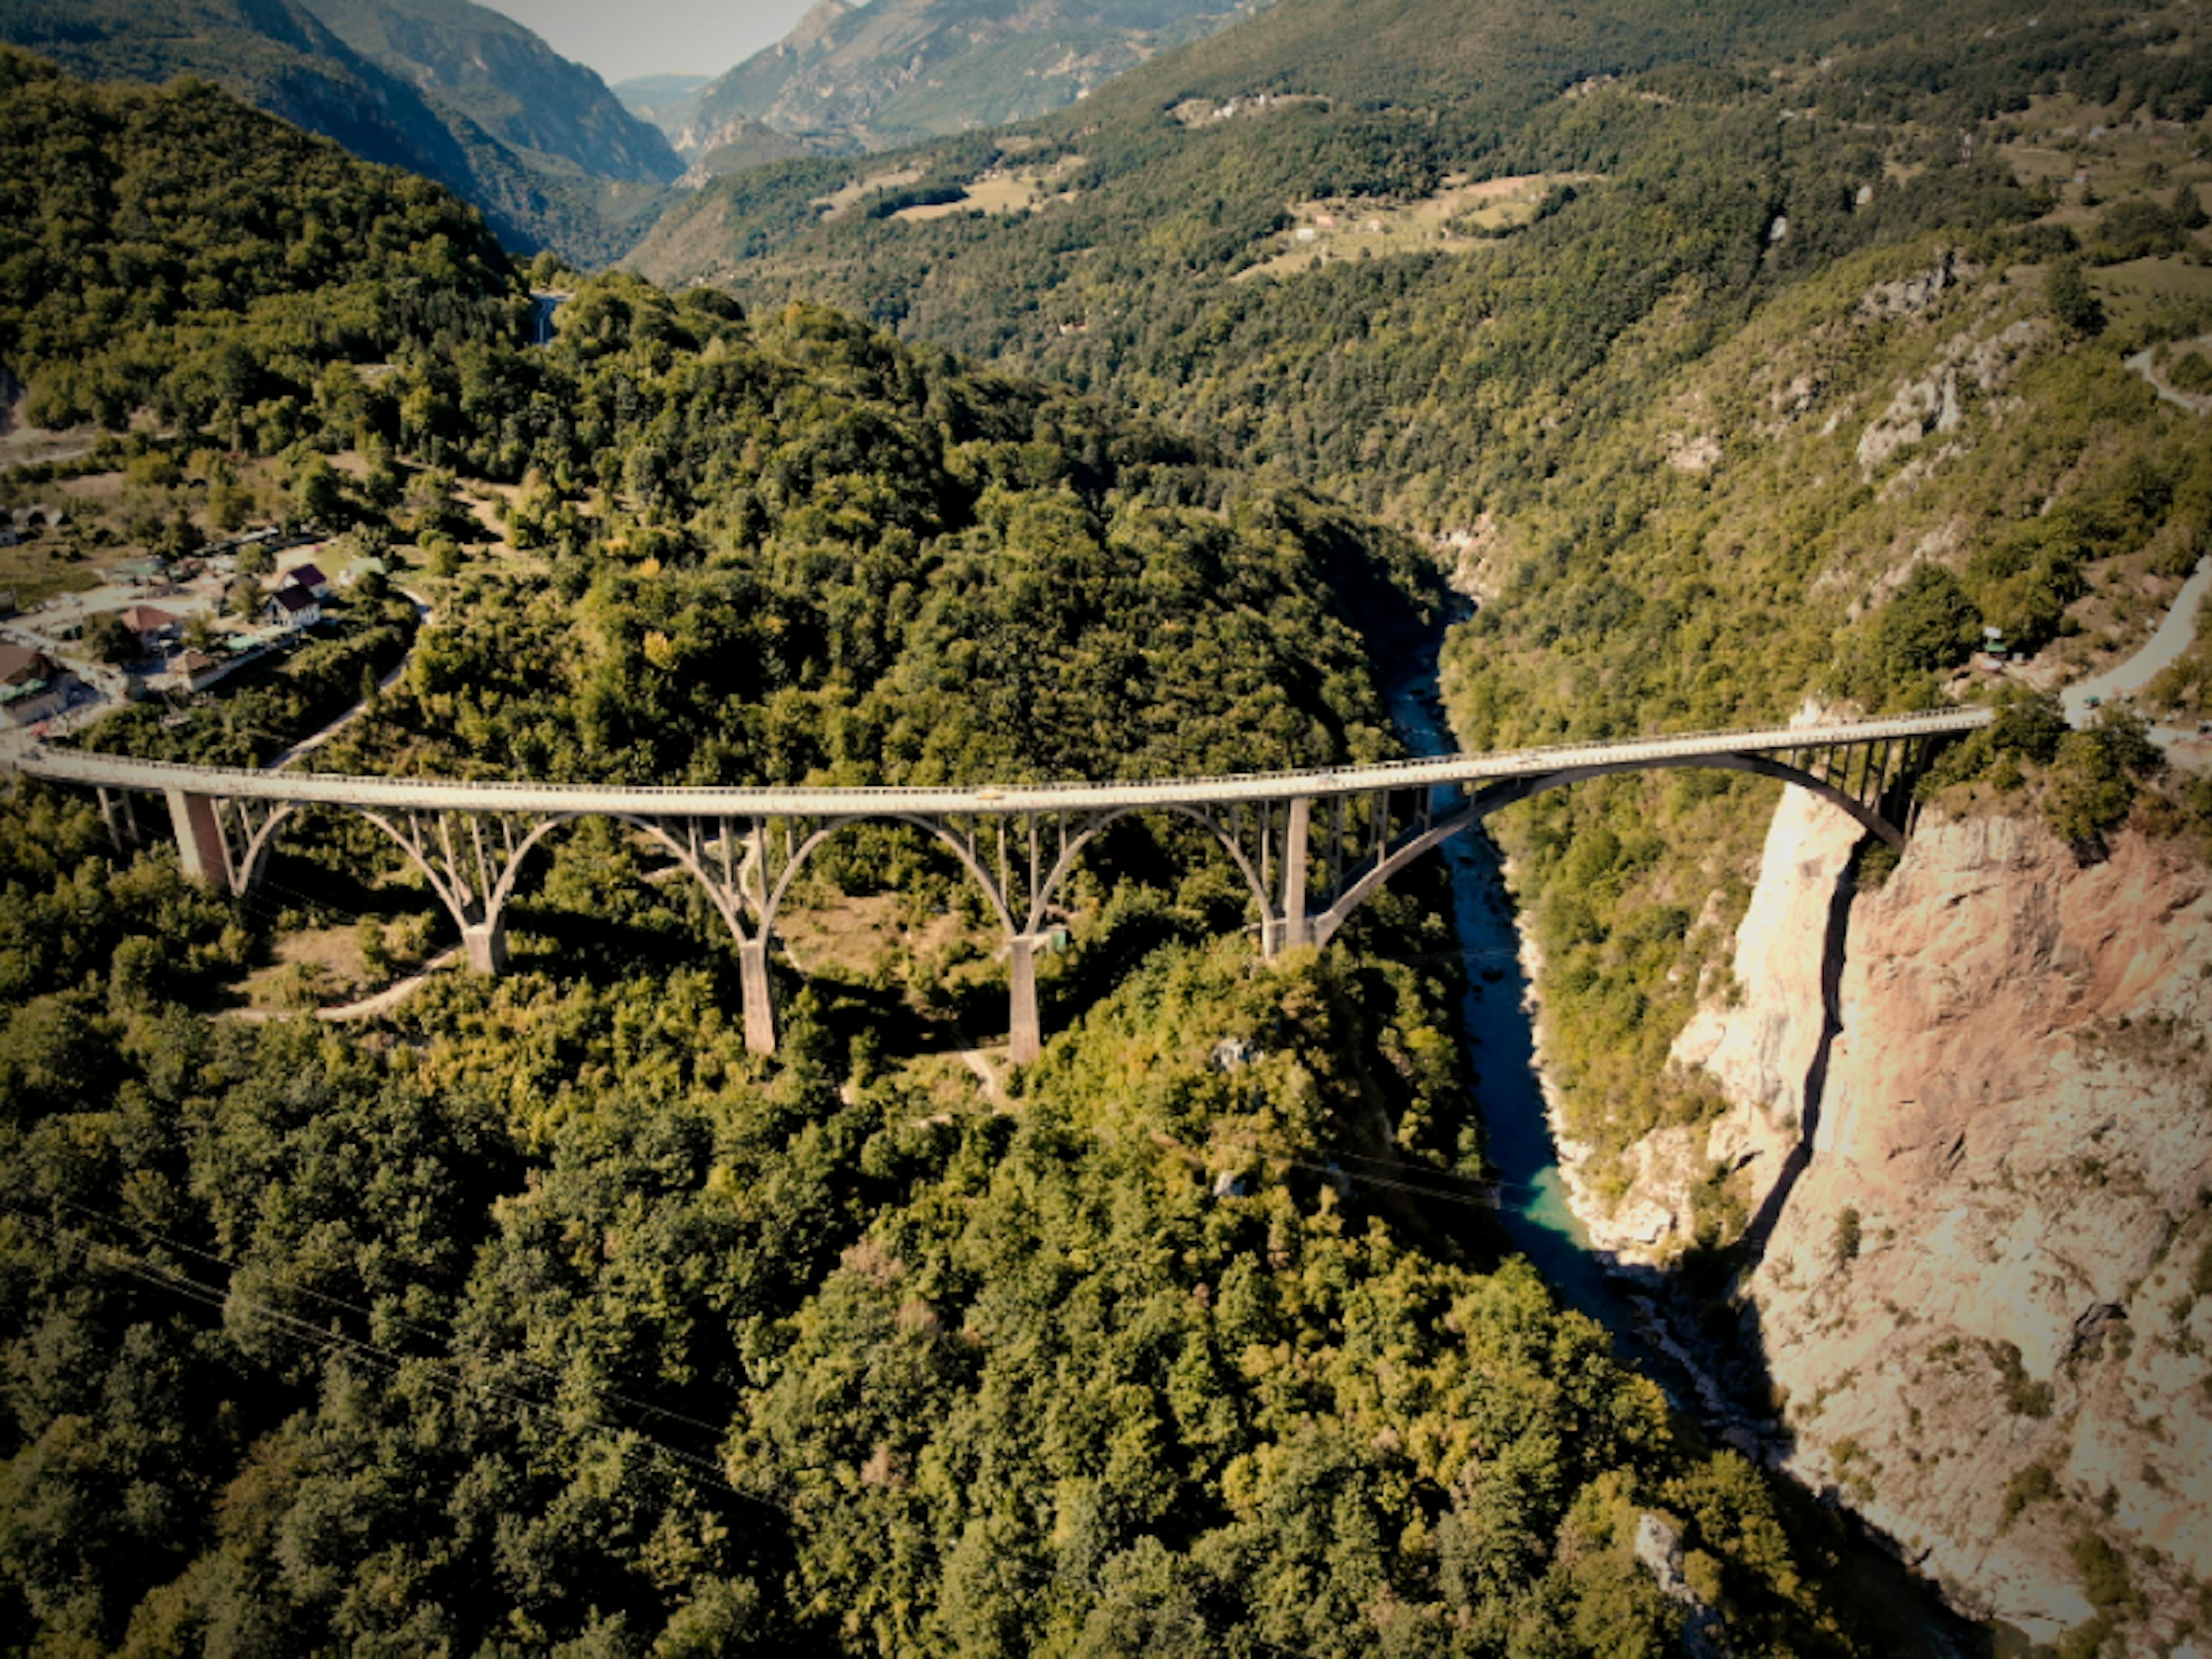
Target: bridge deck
pixel 117 772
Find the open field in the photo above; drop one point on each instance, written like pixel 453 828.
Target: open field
pixel 1000 189
pixel 1459 218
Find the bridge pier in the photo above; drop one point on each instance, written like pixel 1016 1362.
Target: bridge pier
pixel 1024 1031
pixel 486 945
pixel 202 852
pixel 1296 831
pixel 757 992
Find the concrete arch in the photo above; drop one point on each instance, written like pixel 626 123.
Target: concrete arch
pixel 930 827
pixel 1064 865
pixel 259 843
pixel 727 904
pixel 448 895
pixel 1481 805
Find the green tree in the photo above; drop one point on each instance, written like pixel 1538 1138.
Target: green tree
pixel 108 639
pixel 2072 305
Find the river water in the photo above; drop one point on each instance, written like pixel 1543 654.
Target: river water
pixel 1905 1615
pixel 1496 1018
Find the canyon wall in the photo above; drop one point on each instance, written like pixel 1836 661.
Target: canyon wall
pixel 1972 1112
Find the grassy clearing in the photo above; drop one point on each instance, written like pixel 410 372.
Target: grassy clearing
pixel 1459 218
pixel 1000 190
pixel 839 202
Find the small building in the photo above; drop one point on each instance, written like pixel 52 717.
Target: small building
pixel 21 662
pixel 293 606
pixel 150 623
pixel 33 686
pixel 194 671
pixel 310 577
pixel 134 573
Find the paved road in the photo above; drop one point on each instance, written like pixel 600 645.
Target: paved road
pixel 430 794
pixel 2174 635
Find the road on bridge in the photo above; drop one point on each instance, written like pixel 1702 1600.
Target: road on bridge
pixel 432 794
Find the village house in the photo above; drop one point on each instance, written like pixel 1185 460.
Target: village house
pixel 193 670
pixel 32 685
pixel 293 606
pixel 150 624
pixel 310 577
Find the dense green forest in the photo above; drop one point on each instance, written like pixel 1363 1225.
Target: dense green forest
pixel 545 1320
pixel 536 1316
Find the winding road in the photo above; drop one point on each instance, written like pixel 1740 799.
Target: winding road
pixel 2175 634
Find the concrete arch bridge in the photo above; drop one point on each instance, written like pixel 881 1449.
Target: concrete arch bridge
pixel 1310 846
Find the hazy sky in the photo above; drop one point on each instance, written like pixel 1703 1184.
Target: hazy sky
pixel 622 39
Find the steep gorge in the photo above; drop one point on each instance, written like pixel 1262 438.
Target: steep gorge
pixel 1980 1300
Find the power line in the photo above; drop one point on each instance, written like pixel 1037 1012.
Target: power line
pixel 632 1442
pixel 422 1331
pixel 443 1373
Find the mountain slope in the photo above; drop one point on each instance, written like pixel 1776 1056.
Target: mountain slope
pixel 276 55
pixel 895 70
pixel 505 80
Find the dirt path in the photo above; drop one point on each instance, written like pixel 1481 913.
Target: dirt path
pixel 392 995
pixel 985 1074
pixel 2196 404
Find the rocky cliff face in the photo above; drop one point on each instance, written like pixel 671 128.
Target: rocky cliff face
pixel 1987 1292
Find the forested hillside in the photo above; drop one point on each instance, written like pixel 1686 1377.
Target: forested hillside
pixel 553 112
pixel 1738 364
pixel 536 1316
pixel 513 132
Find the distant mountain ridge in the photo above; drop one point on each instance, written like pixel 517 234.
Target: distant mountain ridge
pixel 536 187
pixel 868 77
pixel 506 80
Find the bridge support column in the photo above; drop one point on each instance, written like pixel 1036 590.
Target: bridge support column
pixel 757 994
pixel 486 945
pixel 115 812
pixel 1024 1031
pixel 1296 831
pixel 202 852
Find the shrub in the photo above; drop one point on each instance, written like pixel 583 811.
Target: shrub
pixel 1847 1234
pixel 2034 1484
pixel 2073 307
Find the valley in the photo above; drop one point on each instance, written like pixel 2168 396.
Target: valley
pixel 1693 1225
